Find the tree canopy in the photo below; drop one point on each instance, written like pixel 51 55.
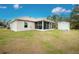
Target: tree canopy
pixel 75 13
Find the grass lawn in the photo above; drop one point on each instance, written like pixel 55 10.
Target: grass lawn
pixel 39 41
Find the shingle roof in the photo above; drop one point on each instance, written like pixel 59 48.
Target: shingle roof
pixel 32 19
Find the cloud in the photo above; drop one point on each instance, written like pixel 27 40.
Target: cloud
pixel 17 6
pixel 68 10
pixel 58 10
pixel 3 7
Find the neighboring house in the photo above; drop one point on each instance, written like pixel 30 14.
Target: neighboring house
pixel 28 23
pixel 63 25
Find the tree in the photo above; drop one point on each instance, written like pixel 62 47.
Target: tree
pixel 75 13
pixel 75 17
pixel 50 18
pixel 3 23
pixel 55 18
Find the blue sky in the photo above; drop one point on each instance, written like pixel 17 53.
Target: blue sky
pixel 10 11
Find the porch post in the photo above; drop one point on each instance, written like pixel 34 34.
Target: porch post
pixel 42 25
pixel 51 25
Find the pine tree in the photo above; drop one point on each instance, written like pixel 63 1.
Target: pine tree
pixel 75 13
pixel 75 17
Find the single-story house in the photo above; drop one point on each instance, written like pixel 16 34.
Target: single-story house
pixel 29 23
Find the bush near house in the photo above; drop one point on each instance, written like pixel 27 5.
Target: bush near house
pixel 75 25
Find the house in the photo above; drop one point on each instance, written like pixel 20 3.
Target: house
pixel 29 23
pixel 42 24
pixel 64 25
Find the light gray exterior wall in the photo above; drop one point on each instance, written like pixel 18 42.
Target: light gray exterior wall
pixel 19 26
pixel 63 25
pixel 13 26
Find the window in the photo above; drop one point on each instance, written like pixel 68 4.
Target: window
pixel 25 25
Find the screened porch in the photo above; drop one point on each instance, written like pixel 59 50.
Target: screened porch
pixel 44 25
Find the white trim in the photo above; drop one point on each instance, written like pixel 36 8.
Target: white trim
pixel 42 25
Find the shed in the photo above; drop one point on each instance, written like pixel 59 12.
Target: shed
pixel 63 25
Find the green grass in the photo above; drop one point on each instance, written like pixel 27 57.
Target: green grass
pixel 53 41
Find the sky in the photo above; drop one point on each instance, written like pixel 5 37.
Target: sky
pixel 11 11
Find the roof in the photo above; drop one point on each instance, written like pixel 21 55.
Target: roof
pixel 63 21
pixel 30 19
